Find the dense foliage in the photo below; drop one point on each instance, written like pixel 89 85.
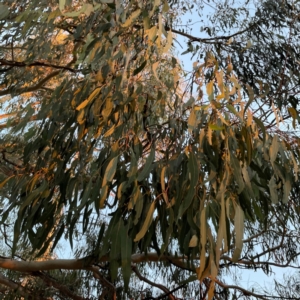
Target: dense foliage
pixel 145 169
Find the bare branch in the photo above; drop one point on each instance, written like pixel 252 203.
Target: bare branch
pixel 62 288
pixel 160 286
pixel 80 264
pixel 244 291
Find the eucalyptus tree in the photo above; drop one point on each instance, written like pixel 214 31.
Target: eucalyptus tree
pixel 147 170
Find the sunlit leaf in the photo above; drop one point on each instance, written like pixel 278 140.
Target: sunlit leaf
pixel 193 241
pixel 132 18
pixel 146 223
pixel 110 171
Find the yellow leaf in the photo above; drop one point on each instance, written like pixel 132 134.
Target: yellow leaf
pixel 154 67
pixel 132 18
pixel 155 5
pixel 220 82
pixel 146 224
pixel 2 184
pixel 294 115
pixel 151 33
pixel 192 121
pixel 110 171
pixel 87 101
pixel 110 131
pixel 81 117
pixel 210 90
pixel 169 42
pixel 163 185
pixel 193 241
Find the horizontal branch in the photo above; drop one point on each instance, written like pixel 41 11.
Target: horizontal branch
pixel 244 291
pixel 212 40
pixel 249 262
pixel 81 263
pixel 20 64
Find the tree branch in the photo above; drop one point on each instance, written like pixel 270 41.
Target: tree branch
pixel 244 291
pixel 81 263
pixel 213 40
pixel 17 288
pixel 4 62
pixel 62 288
pixel 19 91
pixel 160 286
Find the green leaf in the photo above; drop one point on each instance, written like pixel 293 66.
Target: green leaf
pixel 147 167
pixel 216 127
pixel 235 164
pixel 147 222
pixel 2 184
pixel 261 126
pixel 251 96
pixel 4 11
pixel 126 251
pixel 286 189
pixel 239 233
pixel 194 176
pixel 62 4
pixel 203 240
pixel 115 253
pixel 273 190
pixel 140 68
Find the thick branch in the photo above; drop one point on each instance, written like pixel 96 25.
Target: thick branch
pixel 34 266
pixel 80 264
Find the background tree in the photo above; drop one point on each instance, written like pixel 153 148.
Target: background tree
pixel 163 174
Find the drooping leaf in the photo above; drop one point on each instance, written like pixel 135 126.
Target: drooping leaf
pixel 4 11
pixel 126 250
pixel 110 171
pixel 147 223
pixel 147 167
pixel 239 233
pixel 132 18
